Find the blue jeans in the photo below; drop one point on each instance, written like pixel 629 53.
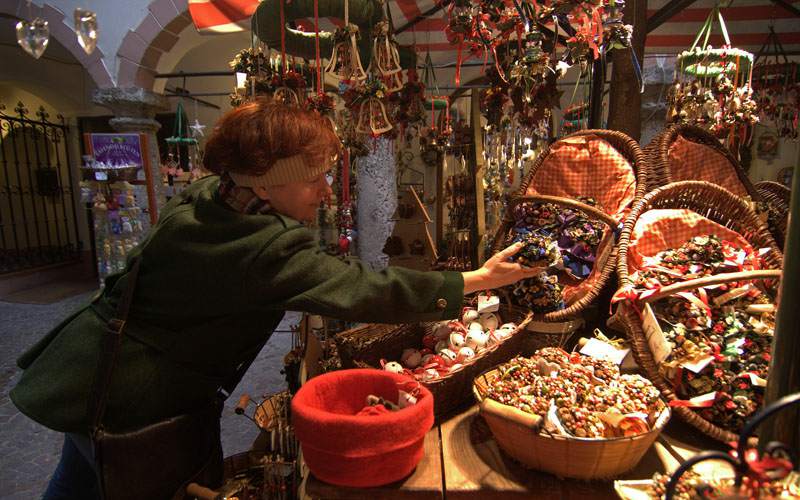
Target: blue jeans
pixel 74 477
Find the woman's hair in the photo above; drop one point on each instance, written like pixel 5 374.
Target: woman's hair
pixel 250 138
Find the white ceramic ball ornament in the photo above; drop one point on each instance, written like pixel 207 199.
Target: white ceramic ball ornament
pixel 393 366
pixel 488 321
pixel 469 316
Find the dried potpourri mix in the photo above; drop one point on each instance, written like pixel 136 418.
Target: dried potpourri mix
pixel 720 336
pixel 577 395
pixel 694 486
pixel 562 239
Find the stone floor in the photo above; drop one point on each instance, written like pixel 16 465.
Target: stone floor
pixel 29 452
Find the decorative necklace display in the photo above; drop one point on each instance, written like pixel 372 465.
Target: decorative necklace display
pixel 719 336
pixel 577 395
pixel 563 240
pixel 713 87
pixel 451 345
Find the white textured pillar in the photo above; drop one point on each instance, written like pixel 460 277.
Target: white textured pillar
pixel 377 201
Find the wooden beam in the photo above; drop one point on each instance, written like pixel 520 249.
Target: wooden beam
pixel 478 243
pixel 666 13
pixel 625 99
pixel 596 93
pixel 786 5
pixel 784 371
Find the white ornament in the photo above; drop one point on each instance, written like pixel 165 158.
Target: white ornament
pixel 441 346
pixel 456 341
pixel 469 316
pixel 489 321
pixel 448 356
pixel 476 340
pixel 393 366
pixel 475 326
pixel 430 374
pixel 405 399
pixel 197 128
pixel 464 354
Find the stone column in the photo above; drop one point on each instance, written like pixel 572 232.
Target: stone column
pixel 134 111
pixel 377 201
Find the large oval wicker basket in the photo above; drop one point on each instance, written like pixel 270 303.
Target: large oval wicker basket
pixel 662 171
pixel 631 151
pixel 720 206
pixel 776 196
pixel 365 346
pixel 516 434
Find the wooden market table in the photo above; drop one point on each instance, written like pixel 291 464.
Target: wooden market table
pixel 462 460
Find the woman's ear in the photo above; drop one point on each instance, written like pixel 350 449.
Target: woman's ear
pixel 261 192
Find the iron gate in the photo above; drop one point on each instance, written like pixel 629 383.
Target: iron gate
pixel 38 217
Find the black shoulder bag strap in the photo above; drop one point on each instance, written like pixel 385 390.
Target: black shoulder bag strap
pixel 112 340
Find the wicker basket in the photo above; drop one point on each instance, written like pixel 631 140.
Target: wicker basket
pixel 720 206
pixel 365 346
pixel 657 156
pixel 776 196
pixel 518 435
pixel 628 148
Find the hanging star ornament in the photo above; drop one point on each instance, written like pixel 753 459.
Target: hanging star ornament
pixel 197 128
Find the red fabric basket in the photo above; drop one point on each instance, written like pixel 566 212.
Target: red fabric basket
pixel 359 451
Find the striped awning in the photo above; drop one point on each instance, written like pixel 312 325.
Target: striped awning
pixel 748 24
pixel 222 16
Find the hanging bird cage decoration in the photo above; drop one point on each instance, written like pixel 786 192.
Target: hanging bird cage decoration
pixel 776 83
pixel 712 87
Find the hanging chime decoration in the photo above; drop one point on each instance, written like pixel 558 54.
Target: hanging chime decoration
pixel 712 87
pixel 178 144
pixel 385 59
pixel 776 83
pixel 345 62
pixel 33 36
pixel 86 29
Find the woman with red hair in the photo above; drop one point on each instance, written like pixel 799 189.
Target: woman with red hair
pixel 208 286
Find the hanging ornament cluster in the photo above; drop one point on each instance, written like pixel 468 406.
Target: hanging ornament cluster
pixel 268 76
pixel 776 83
pixel 409 105
pixel 526 61
pixel 713 87
pixel 366 93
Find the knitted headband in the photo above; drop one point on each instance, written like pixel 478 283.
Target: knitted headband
pixel 283 171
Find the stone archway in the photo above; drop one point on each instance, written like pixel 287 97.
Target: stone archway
pixel 61 30
pixel 142 47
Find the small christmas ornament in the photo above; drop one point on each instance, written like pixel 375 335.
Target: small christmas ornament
pixel 86 29
pixel 394 367
pixel 33 36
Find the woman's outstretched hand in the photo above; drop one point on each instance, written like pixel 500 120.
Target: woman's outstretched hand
pixel 498 271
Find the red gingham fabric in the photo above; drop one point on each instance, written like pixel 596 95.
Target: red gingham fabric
pixel 657 230
pixel 690 161
pixel 587 166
